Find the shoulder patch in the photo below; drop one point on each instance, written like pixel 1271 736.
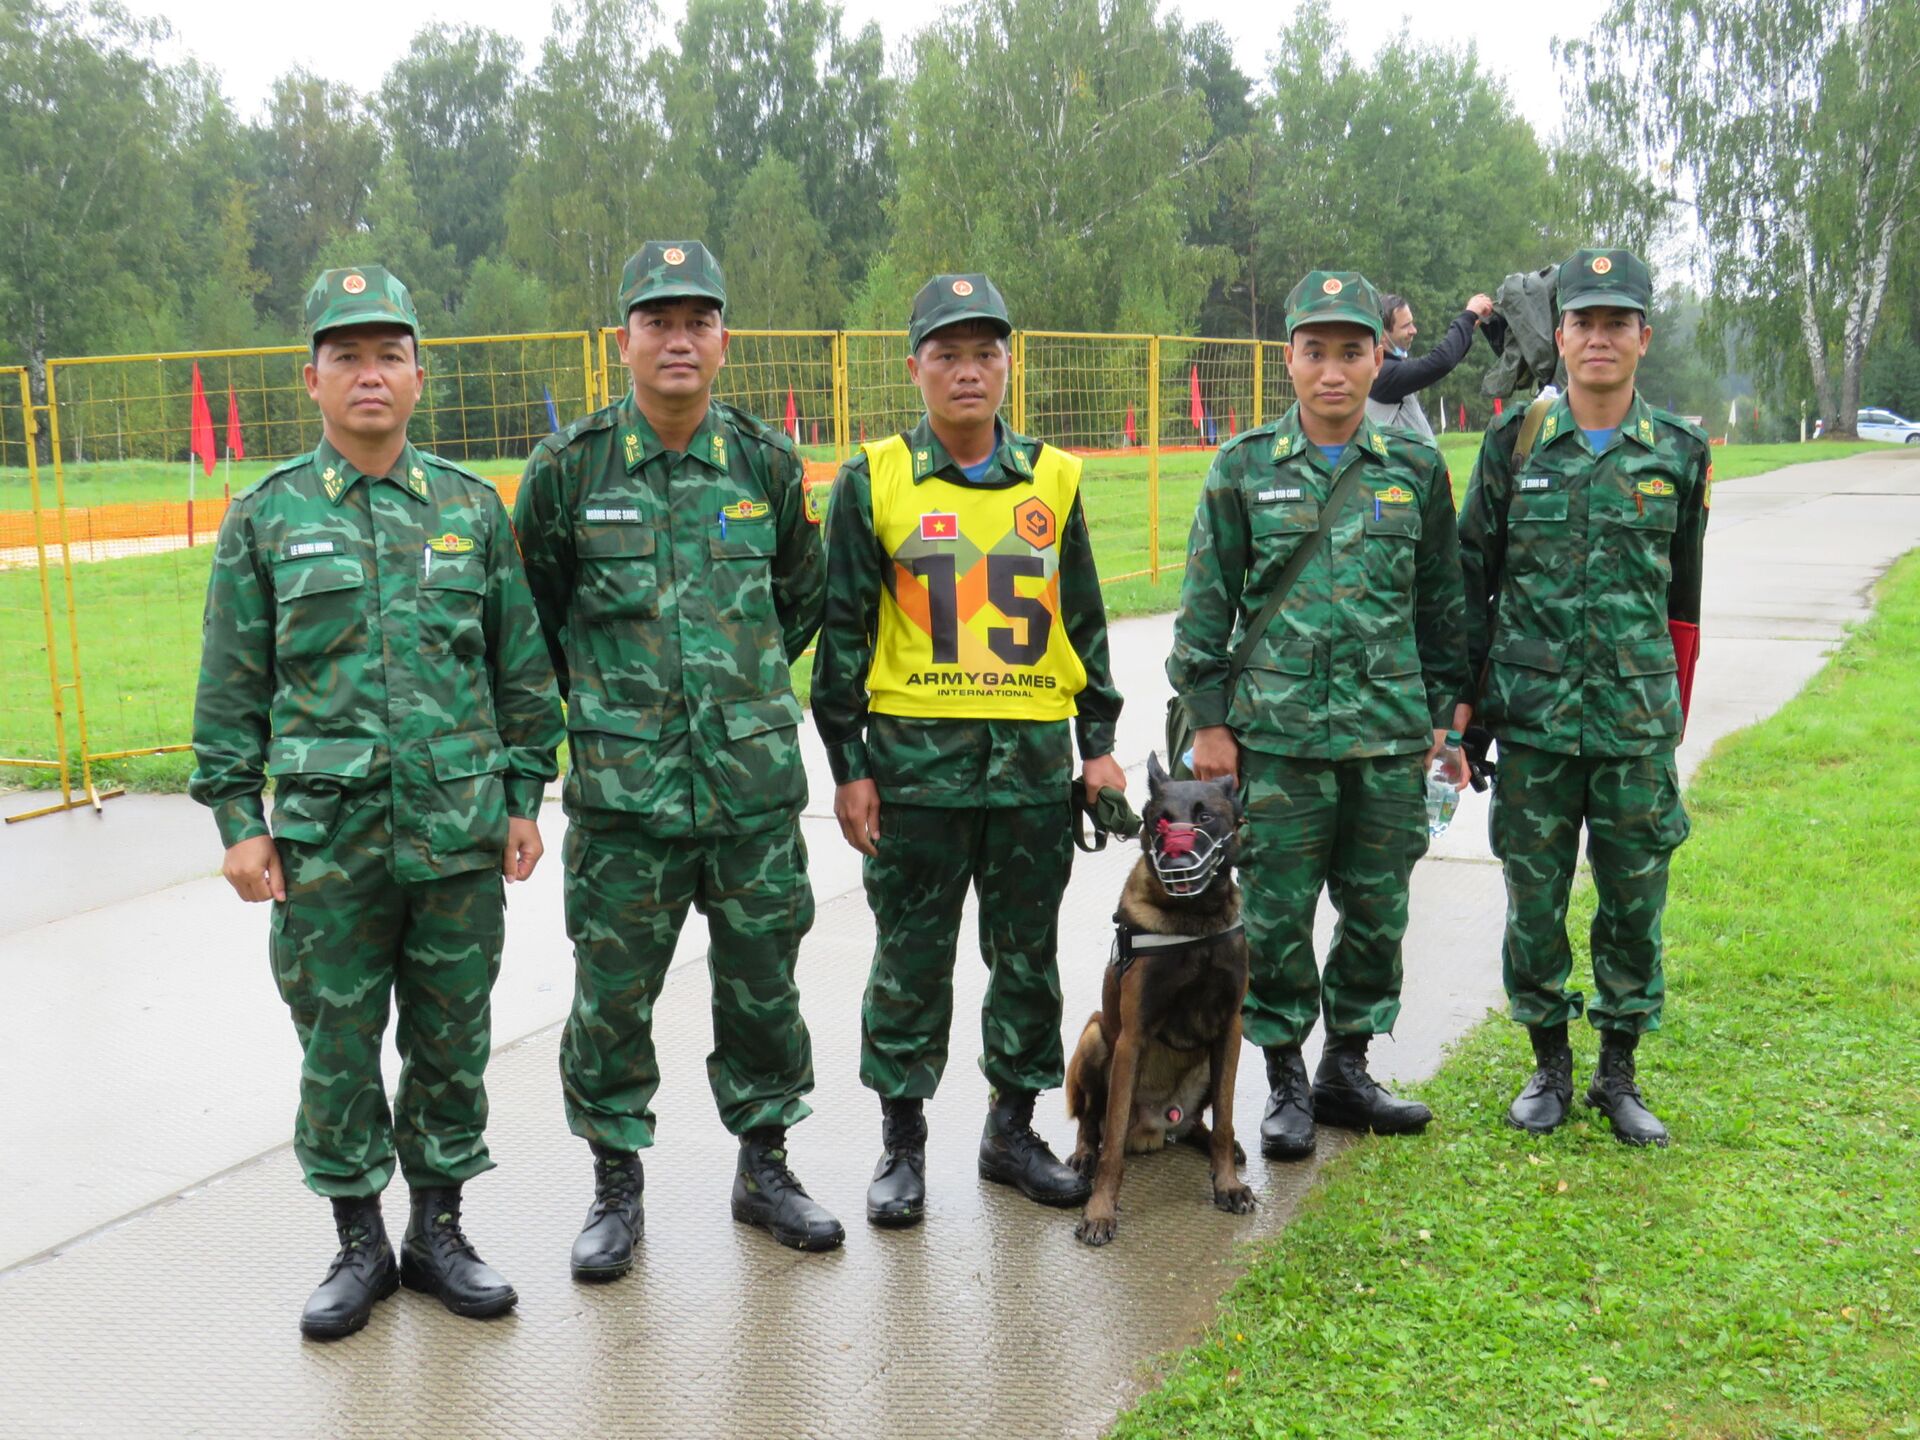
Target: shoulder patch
pixel 751 427
pixel 451 468
pixel 1235 442
pixel 285 467
pixel 602 419
pixel 1685 427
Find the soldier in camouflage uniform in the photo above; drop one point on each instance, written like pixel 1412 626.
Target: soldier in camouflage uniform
pixel 370 644
pixel 677 575
pixel 1345 701
pixel 1582 566
pixel 964 628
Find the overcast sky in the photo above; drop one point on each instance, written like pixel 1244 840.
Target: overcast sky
pixel 356 40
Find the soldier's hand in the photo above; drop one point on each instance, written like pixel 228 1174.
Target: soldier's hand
pixel 1481 307
pixel 253 869
pixel 1458 771
pixel 1102 772
pixel 1216 755
pixel 856 805
pixel 523 849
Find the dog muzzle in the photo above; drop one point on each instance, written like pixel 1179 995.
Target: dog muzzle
pixel 1184 857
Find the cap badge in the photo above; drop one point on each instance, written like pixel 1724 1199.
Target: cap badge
pixel 963 288
pixel 674 255
pixel 1331 286
pixel 354 284
pixel 1602 264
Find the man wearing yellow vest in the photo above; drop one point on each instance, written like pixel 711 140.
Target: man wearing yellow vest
pixel 964 629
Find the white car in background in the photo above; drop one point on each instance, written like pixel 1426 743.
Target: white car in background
pixel 1885 425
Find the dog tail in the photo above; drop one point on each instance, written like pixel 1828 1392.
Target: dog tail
pixel 1086 1072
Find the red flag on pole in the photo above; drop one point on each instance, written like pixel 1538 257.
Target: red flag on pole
pixel 863 432
pixel 793 418
pixel 814 430
pixel 1194 410
pixel 236 445
pixel 1233 422
pixel 1496 407
pixel 1463 417
pixel 1133 436
pixel 201 443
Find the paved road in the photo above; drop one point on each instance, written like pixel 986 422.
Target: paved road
pixel 156 1245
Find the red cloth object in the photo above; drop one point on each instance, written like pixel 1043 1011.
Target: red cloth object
pixel 236 444
pixel 1463 417
pixel 1175 840
pixel 1233 422
pixel 1496 407
pixel 1686 655
pixel 1133 437
pixel 1195 411
pixel 793 418
pixel 201 441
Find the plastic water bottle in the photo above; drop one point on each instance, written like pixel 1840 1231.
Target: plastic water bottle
pixel 1442 798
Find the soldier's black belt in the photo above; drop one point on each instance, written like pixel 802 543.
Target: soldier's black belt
pixel 1130 943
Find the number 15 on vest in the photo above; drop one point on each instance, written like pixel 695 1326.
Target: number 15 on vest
pixel 970 619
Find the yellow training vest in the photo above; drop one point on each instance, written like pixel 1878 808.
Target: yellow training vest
pixel 970 622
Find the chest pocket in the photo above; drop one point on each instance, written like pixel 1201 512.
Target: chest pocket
pixel 1275 531
pixel 1536 531
pixel 741 564
pixel 318 606
pixel 618 579
pixel 453 589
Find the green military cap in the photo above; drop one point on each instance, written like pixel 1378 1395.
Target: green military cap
pixel 948 299
pixel 1604 277
pixel 1334 297
pixel 359 295
pixel 671 270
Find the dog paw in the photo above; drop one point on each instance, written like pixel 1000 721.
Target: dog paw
pixel 1235 1199
pixel 1085 1161
pixel 1092 1231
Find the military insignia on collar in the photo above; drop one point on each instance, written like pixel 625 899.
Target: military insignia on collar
pixel 1282 447
pixel 633 446
pixel 450 544
pixel 334 482
pixel 1020 461
pixel 922 463
pixel 1379 444
pixel 1646 429
pixel 1547 430
pixel 1394 495
pixel 719 450
pixel 745 510
pixel 1655 486
pixel 419 483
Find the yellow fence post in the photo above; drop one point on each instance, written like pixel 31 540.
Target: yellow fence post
pixel 1259 384
pixel 840 449
pixel 1153 460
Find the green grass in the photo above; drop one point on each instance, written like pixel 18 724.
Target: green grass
pixel 1758 1281
pixel 140 617
pixel 121 482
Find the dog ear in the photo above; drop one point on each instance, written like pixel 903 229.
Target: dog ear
pixel 1156 775
pixel 1230 787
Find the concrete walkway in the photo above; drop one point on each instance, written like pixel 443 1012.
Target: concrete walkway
pixel 156 1244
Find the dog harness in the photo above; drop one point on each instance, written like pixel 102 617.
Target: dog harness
pixel 1130 942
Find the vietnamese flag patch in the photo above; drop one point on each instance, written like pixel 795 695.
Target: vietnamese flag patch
pixel 939 527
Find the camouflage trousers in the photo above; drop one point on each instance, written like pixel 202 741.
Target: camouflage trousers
pixel 1354 827
pixel 348 937
pixel 627 895
pixel 1017 860
pixel 1635 821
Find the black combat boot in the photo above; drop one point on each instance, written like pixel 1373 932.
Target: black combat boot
pixel 898 1194
pixel 1012 1154
pixel 436 1259
pixel 1615 1096
pixel 1286 1130
pixel 604 1249
pixel 765 1193
pixel 1344 1094
pixel 362 1275
pixel 1542 1106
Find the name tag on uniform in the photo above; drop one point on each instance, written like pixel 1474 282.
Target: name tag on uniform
pixel 305 548
pixel 1536 482
pixel 616 517
pixel 1269 497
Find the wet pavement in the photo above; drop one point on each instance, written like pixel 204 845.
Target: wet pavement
pixel 156 1243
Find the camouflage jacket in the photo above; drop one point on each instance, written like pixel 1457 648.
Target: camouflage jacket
pixel 950 763
pixel 1366 655
pixel 373 631
pixel 1573 570
pixel 674 590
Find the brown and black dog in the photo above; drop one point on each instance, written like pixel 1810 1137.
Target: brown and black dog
pixel 1166 1041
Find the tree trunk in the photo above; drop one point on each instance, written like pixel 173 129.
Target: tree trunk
pixel 37 384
